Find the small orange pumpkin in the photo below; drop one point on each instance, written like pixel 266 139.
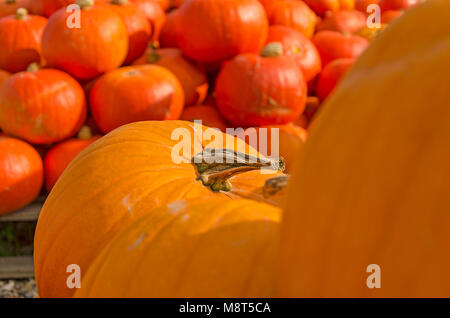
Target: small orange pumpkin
pixel 154 13
pixel 20 40
pixel 209 116
pixel 21 174
pixel 294 14
pixel 191 75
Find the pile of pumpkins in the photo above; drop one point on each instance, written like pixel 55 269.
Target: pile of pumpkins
pixel 369 186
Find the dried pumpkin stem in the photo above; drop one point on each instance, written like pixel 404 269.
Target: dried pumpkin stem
pixel 85 133
pixel 216 166
pixel 273 49
pixel 153 57
pixel 33 67
pixel 275 185
pixel 119 2
pixel 10 1
pixel 21 14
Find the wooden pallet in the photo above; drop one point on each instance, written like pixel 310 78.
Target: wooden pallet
pixel 13 267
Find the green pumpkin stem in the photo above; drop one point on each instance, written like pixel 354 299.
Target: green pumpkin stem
pixel 273 49
pixel 216 166
pixel 22 14
pixel 85 4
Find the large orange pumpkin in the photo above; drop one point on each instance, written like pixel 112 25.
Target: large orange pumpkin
pixel 135 93
pixel 21 174
pixel 372 181
pixel 216 30
pixel 180 251
pixel 100 43
pixel 266 89
pixel 42 106
pixel 89 204
pixel 138 27
pixel 20 40
pixel 294 14
pixel 191 75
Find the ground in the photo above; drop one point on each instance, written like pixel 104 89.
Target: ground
pixel 23 288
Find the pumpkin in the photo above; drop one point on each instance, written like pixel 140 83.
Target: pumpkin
pixel 371 33
pixel 177 3
pixel 154 13
pixel 169 34
pixel 322 6
pixel 331 75
pixel 165 4
pixel 42 106
pixel 47 7
pixel 59 156
pixel 256 90
pixel 192 76
pixel 3 76
pixel 138 28
pixel 20 40
pixel 343 21
pixel 135 93
pixel 333 45
pixel 298 46
pixel 21 174
pixel 140 171
pixel 390 15
pixel 397 4
pixel 380 158
pixel 294 14
pixel 9 7
pixel 289 139
pixel 94 50
pixel 180 251
pixel 268 5
pixel 207 114
pixel 228 33
pixel 362 5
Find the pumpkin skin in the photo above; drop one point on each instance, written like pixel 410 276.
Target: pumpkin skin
pixel 291 139
pixel 397 4
pixel 43 106
pixel 362 5
pixel 343 21
pixel 294 14
pixel 192 76
pixel 135 93
pixel 181 251
pixel 234 27
pixel 94 50
pixel 59 157
pixel 20 40
pixel 384 174
pixel 331 75
pixel 165 4
pixel 298 46
pixel 154 13
pixel 9 7
pixel 138 28
pixel 169 34
pixel 138 174
pixel 207 114
pixel 21 174
pixel 390 15
pixel 268 6
pixel 322 6
pixel 47 7
pixel 3 76
pixel 333 45
pixel 252 90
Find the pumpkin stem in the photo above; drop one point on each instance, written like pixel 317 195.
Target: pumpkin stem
pixel 22 14
pixel 85 133
pixel 216 166
pixel 85 4
pixel 119 2
pixel 33 67
pixel 153 57
pixel 275 185
pixel 273 49
pixel 10 1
